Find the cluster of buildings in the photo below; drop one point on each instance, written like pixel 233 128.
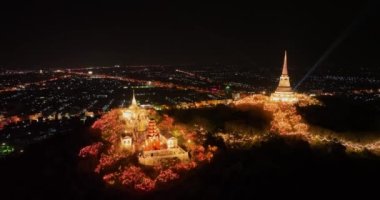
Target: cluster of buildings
pixel 143 136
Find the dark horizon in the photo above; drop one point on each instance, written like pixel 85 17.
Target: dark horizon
pixel 152 33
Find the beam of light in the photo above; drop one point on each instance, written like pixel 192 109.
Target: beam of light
pixel 336 43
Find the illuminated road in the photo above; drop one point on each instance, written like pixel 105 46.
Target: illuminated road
pixel 191 74
pixel 373 146
pixel 145 82
pixel 234 140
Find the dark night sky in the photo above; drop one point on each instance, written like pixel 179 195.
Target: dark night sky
pixel 152 32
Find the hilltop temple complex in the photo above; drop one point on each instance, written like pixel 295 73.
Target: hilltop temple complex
pixel 142 135
pixel 284 92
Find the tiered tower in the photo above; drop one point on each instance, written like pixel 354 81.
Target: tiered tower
pixel 152 129
pixel 284 92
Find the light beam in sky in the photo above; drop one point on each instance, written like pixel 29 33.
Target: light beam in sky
pixel 336 43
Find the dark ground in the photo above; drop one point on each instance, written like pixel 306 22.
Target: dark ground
pixel 345 116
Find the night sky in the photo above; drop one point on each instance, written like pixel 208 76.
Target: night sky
pixel 158 32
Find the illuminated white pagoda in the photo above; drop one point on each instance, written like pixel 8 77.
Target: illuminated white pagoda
pixel 284 92
pixel 136 118
pixel 134 102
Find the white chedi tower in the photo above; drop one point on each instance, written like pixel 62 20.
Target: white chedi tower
pixel 134 102
pixel 136 118
pixel 284 92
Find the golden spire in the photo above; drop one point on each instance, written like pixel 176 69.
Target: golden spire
pixel 285 66
pixel 284 84
pixel 134 102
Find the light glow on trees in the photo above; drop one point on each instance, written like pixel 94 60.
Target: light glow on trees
pixel 109 153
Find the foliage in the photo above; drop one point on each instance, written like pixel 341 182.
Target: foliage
pixel 91 150
pixel 118 167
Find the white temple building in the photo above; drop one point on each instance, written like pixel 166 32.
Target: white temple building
pixel 284 92
pixel 126 141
